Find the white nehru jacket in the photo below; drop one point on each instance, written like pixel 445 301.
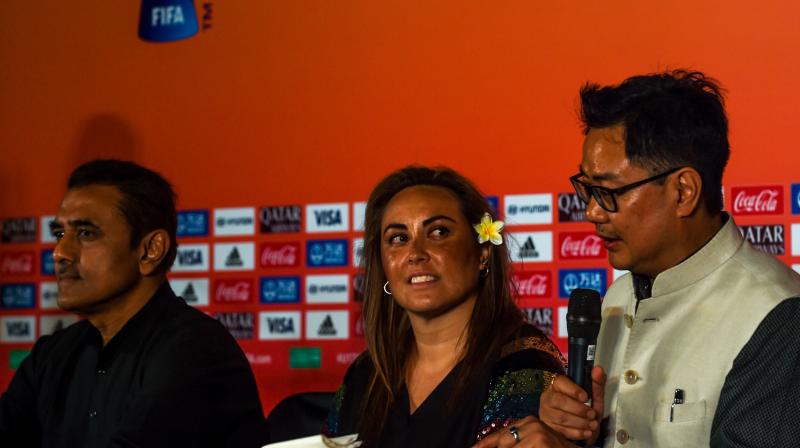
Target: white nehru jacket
pixel 686 336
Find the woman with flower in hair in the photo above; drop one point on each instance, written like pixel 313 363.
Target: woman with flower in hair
pixel 449 358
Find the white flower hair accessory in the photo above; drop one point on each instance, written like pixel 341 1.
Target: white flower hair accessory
pixel 489 230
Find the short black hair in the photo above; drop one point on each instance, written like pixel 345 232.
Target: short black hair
pixel 670 119
pixel 148 200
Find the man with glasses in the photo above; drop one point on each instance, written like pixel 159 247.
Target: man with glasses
pixel 699 342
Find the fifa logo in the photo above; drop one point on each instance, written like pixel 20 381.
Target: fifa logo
pixel 167 20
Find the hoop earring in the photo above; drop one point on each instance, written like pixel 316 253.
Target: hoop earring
pixel 386 288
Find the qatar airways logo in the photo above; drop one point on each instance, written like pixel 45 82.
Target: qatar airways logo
pixel 529 284
pixel 280 255
pixel 767 238
pixel 580 246
pixel 767 200
pixel 233 291
pixel 17 263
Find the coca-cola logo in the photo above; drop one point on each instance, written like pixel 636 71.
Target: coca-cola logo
pixel 233 291
pixel 17 263
pixel 581 245
pixel 280 255
pixel 532 283
pixel 758 200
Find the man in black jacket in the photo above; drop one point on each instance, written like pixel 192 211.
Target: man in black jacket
pixel 143 368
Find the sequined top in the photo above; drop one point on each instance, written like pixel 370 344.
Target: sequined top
pixel 499 394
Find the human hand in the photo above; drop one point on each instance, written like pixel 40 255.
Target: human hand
pixel 562 407
pixel 531 433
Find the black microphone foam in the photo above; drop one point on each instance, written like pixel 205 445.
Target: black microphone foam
pixel 583 325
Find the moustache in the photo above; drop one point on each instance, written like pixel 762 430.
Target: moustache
pixel 65 270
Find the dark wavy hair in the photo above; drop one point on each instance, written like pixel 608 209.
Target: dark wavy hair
pixel 148 201
pixel 386 326
pixel 670 119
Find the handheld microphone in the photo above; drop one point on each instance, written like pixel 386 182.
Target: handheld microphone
pixel 583 325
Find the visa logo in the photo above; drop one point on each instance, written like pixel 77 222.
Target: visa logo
pixel 280 325
pixel 328 217
pixel 283 325
pixel 190 257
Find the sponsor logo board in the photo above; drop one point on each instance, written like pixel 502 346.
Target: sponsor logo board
pixel 280 255
pixel 580 246
pixel 237 291
pixel 305 357
pixel 532 284
pixel 280 219
pixel 191 258
pixel 768 238
pixel 569 279
pixel 571 208
pixel 322 218
pixel 51 323
pixel 541 318
pixel 346 358
pixel 326 253
pixel 48 295
pixel 15 358
pixel 17 329
pixel 334 288
pixel 358 288
pixel 277 326
pixel 528 208
pixel 327 325
pixel 530 246
pixel 45 234
pixel 359 213
pixel 18 295
pixel 796 199
pixel 237 221
pixel 192 223
pixel 358 251
pixel 562 322
pixel 234 256
pixel 239 324
pixel 764 200
pixel 278 290
pixel 795 240
pixel 494 205
pixel 193 290
pixel 48 265
pixel 17 263
pixel 19 230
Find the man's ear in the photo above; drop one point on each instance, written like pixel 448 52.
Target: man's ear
pixel 152 251
pixel 689 186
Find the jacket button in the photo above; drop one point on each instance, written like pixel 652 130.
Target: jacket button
pixel 623 436
pixel 628 321
pixel 631 377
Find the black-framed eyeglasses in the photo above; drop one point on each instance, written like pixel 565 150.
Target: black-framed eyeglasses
pixel 607 197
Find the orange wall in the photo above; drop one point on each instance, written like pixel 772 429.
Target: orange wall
pixel 313 101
